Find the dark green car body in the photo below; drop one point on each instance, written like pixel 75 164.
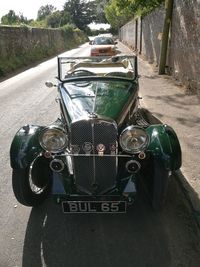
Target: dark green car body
pixel 97 114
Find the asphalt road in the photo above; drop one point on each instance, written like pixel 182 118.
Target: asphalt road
pixel 44 236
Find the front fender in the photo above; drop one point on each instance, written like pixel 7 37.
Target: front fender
pixel 25 146
pixel 165 146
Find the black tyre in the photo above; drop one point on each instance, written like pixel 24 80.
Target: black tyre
pixel 32 185
pixel 160 186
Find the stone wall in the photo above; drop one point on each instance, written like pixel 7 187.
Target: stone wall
pixel 143 35
pixel 152 27
pixel 184 45
pixel 22 45
pixel 184 50
pixel 127 34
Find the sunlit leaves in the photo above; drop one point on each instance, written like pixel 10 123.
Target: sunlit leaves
pixel 119 12
pixel 12 19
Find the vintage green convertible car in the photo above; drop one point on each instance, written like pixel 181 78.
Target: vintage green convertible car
pixel 94 156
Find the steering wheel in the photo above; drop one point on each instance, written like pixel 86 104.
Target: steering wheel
pixel 82 73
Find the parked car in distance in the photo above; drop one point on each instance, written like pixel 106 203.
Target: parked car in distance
pixel 103 46
pixel 101 148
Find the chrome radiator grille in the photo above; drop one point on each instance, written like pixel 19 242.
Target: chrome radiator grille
pixel 95 173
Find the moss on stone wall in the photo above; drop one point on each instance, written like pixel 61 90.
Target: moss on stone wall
pixel 21 46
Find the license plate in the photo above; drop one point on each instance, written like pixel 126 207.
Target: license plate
pixel 94 206
pixel 103 51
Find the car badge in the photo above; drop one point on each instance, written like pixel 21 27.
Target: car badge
pixel 93 115
pixel 101 148
pixel 113 148
pixel 87 148
pixel 75 149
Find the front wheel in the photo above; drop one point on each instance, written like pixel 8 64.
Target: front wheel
pixel 28 192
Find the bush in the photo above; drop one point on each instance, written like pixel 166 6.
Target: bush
pixel 68 29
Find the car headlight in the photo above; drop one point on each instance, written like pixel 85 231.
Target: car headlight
pixel 133 139
pixel 53 139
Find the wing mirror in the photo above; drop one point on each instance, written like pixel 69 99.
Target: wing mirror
pixel 90 42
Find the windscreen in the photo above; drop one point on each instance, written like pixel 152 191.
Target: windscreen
pixel 103 41
pixel 116 66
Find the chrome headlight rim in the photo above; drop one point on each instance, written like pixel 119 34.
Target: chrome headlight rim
pixel 53 128
pixel 140 148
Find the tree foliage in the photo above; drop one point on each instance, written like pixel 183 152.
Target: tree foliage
pixel 45 11
pixel 81 12
pixel 99 11
pixel 12 19
pixel 115 16
pixel 54 20
pixel 119 12
pixel 58 19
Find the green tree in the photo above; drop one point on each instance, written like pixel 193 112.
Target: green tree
pixel 81 12
pixel 116 15
pixel 54 20
pixel 58 19
pixel 119 12
pixel 99 13
pixel 45 11
pixel 11 18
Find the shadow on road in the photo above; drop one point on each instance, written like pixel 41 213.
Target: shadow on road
pixel 134 239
